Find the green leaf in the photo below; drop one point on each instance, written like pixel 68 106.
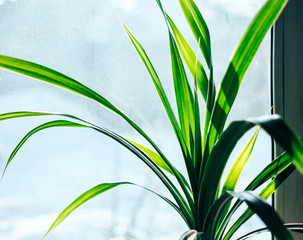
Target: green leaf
pixel 215 214
pixel 270 171
pixel 20 114
pixel 199 28
pixel 186 109
pixel 239 64
pixel 154 156
pixel 293 227
pixel 273 169
pixel 210 180
pixel 211 92
pixel 6 116
pixel 94 192
pixel 56 123
pixel 196 144
pixel 53 77
pixel 183 93
pixel 190 58
pixel 97 190
pixel 273 125
pixel 233 177
pixel 198 135
pixel 236 170
pixel 139 49
pixel 265 193
pixel 182 142
pixel 124 142
pixel 266 212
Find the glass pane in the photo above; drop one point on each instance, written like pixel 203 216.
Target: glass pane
pixel 84 40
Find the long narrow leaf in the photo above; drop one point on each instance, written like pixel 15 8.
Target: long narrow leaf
pixel 185 104
pixel 94 192
pixel 153 166
pixel 199 27
pixel 211 92
pixel 198 135
pixel 273 125
pixel 97 190
pixel 210 180
pixel 158 160
pixel 6 116
pixel 266 212
pixel 295 227
pixel 233 177
pixel 239 64
pixel 265 193
pixel 53 77
pixel 154 156
pixel 236 170
pixel 214 215
pixel 183 93
pixel 190 58
pixel 271 171
pixel 139 49
pixel 186 94
pixel 62 123
pixel 56 123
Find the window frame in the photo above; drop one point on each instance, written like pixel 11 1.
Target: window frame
pixel 287 100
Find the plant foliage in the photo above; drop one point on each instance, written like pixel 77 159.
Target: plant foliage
pixel 200 196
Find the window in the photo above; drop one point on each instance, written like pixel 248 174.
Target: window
pixel 84 40
pixel 287 85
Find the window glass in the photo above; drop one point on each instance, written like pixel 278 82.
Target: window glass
pixel 84 40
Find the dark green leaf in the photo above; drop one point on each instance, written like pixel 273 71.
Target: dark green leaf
pixel 272 170
pixel 214 215
pixel 265 193
pixel 266 212
pixel 293 227
pixel 273 125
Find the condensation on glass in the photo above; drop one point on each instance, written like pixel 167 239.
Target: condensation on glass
pixel 84 40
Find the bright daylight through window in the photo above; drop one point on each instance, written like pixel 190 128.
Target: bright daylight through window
pixel 85 41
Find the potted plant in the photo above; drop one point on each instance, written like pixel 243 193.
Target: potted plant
pixel 197 195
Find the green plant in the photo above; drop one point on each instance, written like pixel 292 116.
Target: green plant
pixel 200 198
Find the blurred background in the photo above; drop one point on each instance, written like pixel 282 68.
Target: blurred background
pixel 84 40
